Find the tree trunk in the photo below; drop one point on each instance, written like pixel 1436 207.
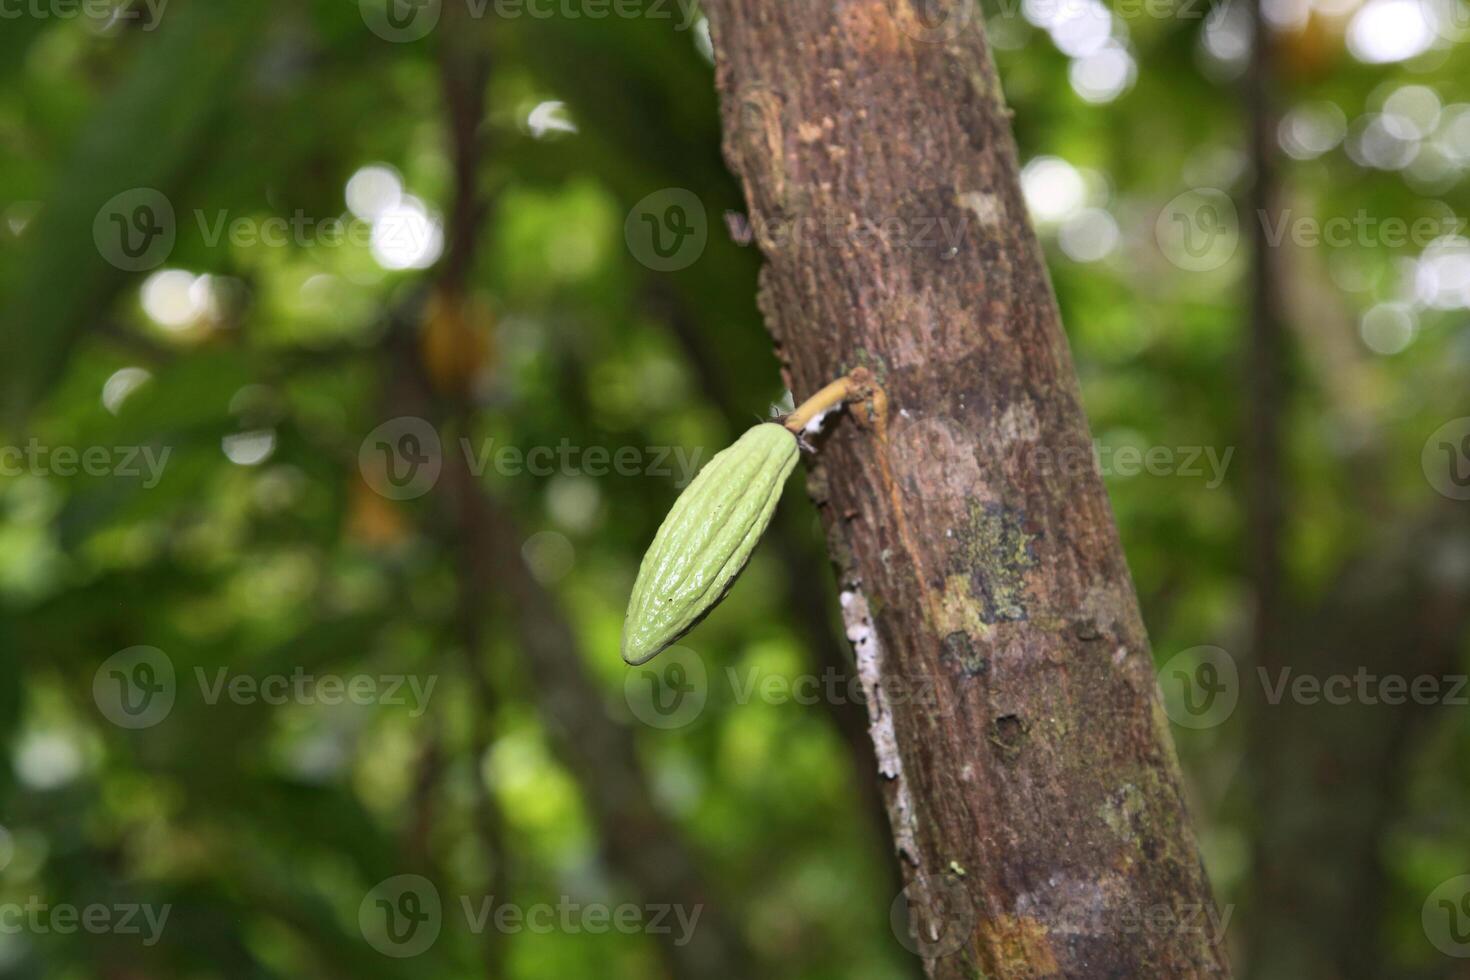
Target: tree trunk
pixel 1033 792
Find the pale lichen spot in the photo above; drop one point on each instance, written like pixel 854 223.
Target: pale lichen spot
pixel 1122 810
pixel 1018 423
pixel 958 611
pixel 935 459
pixel 987 208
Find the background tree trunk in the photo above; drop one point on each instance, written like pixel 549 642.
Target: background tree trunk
pixel 1342 760
pixel 1033 792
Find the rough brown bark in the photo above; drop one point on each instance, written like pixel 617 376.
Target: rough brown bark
pixel 1032 788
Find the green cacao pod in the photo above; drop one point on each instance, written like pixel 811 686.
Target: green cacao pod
pixel 706 540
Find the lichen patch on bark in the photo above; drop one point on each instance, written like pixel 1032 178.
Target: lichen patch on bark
pixel 997 551
pixel 1018 946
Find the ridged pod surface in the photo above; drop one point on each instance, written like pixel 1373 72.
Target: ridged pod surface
pixel 704 543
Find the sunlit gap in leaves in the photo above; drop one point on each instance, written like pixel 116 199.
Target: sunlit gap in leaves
pixel 1384 31
pixel 1061 196
pixel 120 384
pixel 405 234
pixel 180 302
pixel 1085 30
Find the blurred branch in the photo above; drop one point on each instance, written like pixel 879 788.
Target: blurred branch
pixel 1265 357
pixel 1338 768
pixel 457 539
pixel 1265 350
pixel 1326 774
pixel 637 841
pixel 1326 328
pixel 464 72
